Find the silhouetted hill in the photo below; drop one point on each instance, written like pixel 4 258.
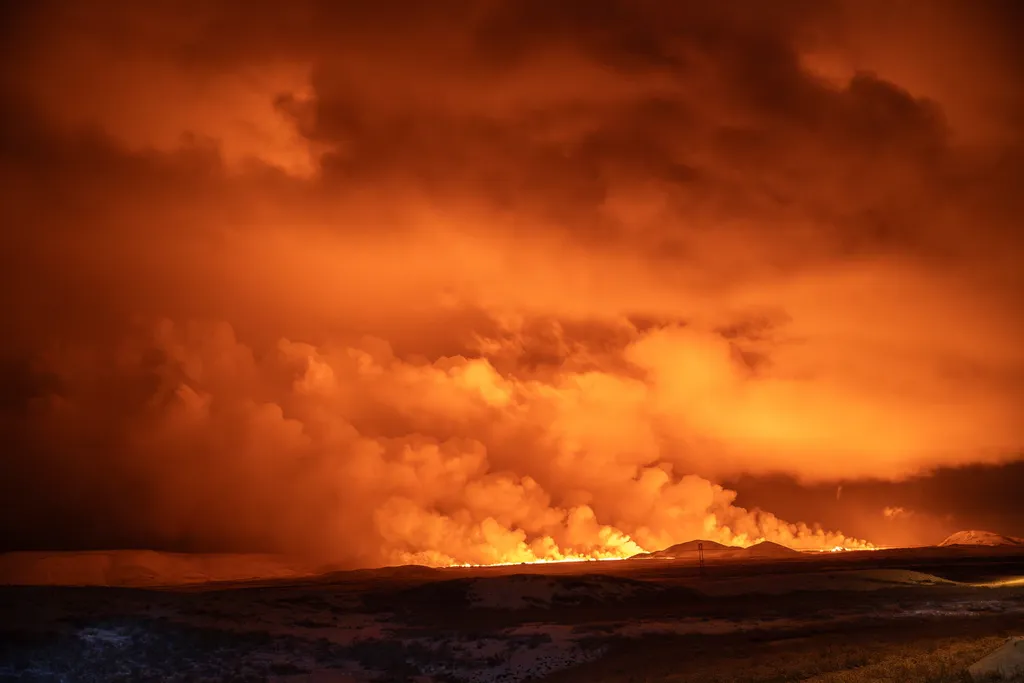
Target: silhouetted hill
pixel 717 551
pixel 767 549
pixel 688 550
pixel 986 538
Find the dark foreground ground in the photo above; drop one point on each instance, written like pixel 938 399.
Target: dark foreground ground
pixel 902 617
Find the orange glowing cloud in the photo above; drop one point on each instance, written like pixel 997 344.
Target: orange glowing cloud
pixel 527 284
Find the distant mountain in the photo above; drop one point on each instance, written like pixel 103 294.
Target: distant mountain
pixel 986 538
pixel 692 547
pixel 767 549
pixel 716 551
pixel 688 550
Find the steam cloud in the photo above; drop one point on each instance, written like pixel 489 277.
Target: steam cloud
pixel 351 453
pixel 380 285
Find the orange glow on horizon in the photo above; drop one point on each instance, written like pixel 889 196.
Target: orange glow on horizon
pixel 564 560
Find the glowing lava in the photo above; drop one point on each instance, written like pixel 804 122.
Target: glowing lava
pixel 564 560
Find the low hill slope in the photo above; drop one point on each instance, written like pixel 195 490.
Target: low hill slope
pixel 986 538
pixel 140 568
pixel 689 549
pixel 717 551
pixel 768 549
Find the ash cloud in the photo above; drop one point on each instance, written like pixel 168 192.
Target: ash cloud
pixel 185 436
pixel 497 280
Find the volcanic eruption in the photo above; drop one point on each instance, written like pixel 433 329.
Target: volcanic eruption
pixel 503 282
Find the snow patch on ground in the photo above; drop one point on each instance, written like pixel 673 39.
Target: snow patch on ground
pixel 1006 663
pixel 117 637
pixel 509 660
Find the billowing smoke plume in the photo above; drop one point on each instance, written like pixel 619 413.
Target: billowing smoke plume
pixel 495 281
pixel 352 454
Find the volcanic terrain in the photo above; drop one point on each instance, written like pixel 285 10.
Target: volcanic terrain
pixel 764 613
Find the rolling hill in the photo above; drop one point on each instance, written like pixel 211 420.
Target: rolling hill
pixel 717 551
pixel 768 549
pixel 689 549
pixel 985 538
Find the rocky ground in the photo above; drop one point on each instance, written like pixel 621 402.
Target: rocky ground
pixel 477 626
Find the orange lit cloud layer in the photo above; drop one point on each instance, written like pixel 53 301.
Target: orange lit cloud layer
pixel 499 281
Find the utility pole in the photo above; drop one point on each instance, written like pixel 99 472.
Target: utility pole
pixel 700 557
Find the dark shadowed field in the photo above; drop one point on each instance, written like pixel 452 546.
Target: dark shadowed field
pixel 906 616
